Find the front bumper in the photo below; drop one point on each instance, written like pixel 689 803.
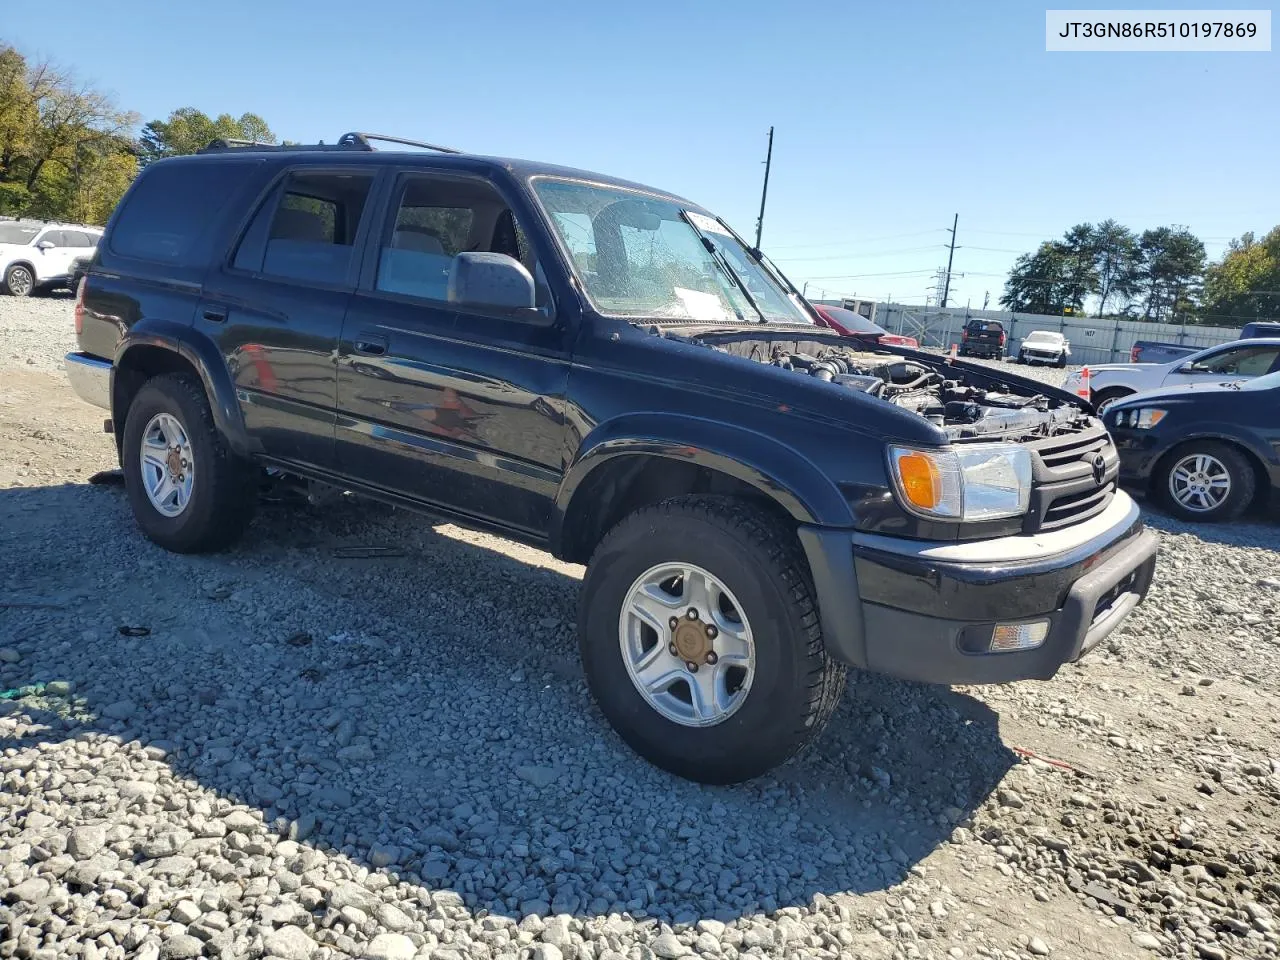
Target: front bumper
pixel 90 378
pixel 1041 357
pixel 1140 451
pixel 926 611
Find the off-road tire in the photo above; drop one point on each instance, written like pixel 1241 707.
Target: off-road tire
pixel 1244 482
pixel 224 491
pixel 796 686
pixel 13 283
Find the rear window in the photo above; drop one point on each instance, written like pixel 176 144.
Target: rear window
pixel 171 209
pixel 990 326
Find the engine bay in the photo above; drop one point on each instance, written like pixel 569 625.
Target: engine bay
pixel 964 405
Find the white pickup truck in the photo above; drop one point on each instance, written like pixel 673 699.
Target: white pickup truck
pixel 1240 360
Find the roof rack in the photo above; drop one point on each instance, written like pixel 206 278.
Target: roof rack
pixel 362 140
pixel 348 141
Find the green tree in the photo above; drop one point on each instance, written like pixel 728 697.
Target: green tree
pixel 1115 261
pixel 1041 282
pixel 59 139
pixel 1245 285
pixel 1171 268
pixel 188 130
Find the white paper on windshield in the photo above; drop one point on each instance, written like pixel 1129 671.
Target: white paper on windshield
pixel 706 224
pixel 706 307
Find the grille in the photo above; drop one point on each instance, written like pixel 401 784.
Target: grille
pixel 1065 489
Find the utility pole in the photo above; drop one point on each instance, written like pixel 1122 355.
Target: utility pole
pixel 764 193
pixel 946 289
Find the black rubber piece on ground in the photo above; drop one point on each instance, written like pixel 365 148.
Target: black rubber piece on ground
pixel 796 687
pixel 224 492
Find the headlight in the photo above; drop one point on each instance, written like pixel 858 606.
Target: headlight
pixel 980 481
pixel 1140 418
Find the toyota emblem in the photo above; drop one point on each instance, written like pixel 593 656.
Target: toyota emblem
pixel 1099 468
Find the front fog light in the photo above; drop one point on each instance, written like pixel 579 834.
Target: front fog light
pixel 1008 637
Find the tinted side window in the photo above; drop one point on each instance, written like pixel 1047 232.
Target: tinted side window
pixel 306 228
pixel 172 208
pixel 79 239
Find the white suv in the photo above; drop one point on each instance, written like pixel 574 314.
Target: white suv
pixel 36 254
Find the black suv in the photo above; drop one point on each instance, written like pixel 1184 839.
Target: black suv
pixel 607 371
pixel 983 338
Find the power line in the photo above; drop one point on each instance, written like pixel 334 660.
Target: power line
pixel 858 242
pixel 858 256
pixel 891 273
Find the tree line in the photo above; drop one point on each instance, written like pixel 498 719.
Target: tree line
pixel 1161 275
pixel 68 151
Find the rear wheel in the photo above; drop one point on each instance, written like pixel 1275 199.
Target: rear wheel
pixel 1062 360
pixel 1105 398
pixel 188 492
pixel 19 280
pixel 701 641
pixel 1206 480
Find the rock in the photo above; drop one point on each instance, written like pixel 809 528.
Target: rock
pixel 547 951
pixel 1210 951
pixel 185 912
pixel 384 856
pixel 182 947
pixel 239 821
pixel 9 655
pixel 1038 947
pixel 351 895
pixel 289 943
pixel 84 842
pixel 540 777
pixel 713 927
pixel 31 890
pixel 393 918
pixel 668 946
pixel 332 796
pixel 120 710
pixel 303 827
pixel 390 946
pixel 60 688
pixel 1010 798
pixel 356 753
pixel 1146 941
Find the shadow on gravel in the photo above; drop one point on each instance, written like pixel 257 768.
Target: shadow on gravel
pixel 1259 527
pixel 418 706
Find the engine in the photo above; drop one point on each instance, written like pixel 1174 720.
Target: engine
pixel 964 411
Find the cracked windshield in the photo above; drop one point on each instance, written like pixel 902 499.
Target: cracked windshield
pixel 642 256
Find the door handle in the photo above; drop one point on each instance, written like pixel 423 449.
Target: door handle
pixel 370 345
pixel 215 314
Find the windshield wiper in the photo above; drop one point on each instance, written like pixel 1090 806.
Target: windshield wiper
pixel 722 262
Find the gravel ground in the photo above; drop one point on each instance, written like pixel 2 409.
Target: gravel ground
pixel 307 748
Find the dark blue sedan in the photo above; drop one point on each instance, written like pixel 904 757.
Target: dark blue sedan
pixel 1207 451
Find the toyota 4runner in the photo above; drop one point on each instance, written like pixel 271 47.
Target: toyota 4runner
pixel 610 372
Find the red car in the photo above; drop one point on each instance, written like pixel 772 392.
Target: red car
pixel 850 324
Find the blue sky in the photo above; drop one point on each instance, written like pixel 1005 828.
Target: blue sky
pixel 890 117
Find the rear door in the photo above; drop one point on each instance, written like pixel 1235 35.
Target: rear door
pixel 460 408
pixel 275 306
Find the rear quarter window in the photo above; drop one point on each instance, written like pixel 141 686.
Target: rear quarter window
pixel 170 213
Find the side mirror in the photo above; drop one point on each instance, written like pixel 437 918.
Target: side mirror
pixel 45 245
pixel 492 280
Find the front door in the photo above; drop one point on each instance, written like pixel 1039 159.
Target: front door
pixel 457 408
pixel 1240 362
pixel 276 308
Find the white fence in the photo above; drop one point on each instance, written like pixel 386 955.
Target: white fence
pixel 1092 341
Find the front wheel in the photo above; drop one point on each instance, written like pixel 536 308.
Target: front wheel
pixel 1206 480
pixel 19 281
pixel 701 641
pixel 189 493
